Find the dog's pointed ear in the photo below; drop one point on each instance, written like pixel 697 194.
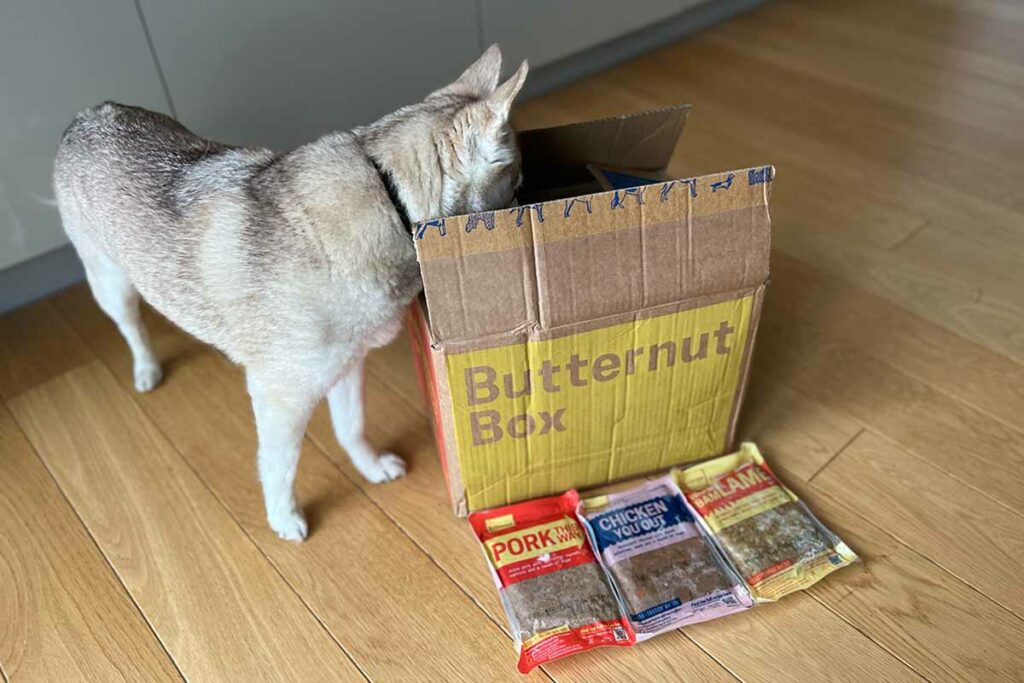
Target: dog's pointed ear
pixel 481 78
pixel 500 101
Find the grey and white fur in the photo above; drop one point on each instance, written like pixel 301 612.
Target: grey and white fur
pixel 295 265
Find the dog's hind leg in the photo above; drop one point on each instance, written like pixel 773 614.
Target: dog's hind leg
pixel 346 402
pixel 282 410
pixel 117 296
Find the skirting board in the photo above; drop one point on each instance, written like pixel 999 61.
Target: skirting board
pixel 38 277
pixel 50 272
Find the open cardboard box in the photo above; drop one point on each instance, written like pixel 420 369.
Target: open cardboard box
pixel 587 336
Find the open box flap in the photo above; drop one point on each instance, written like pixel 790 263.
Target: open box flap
pixel 557 157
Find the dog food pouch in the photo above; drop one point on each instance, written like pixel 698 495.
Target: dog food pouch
pixel 771 538
pixel 662 566
pixel 555 594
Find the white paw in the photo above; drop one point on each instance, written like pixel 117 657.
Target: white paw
pixel 147 377
pixel 289 525
pixel 387 468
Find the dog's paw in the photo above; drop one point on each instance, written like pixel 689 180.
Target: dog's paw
pixel 290 525
pixel 147 377
pixel 387 468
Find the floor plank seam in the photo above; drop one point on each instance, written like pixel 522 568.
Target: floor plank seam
pixel 864 633
pixel 259 549
pixel 416 405
pixel 920 458
pixel 909 236
pixel 97 546
pixel 911 450
pixel 908 373
pixel 953 66
pixel 359 486
pixel 74 332
pixel 711 656
pixel 967 583
pixel 854 513
pixel 721 39
pixel 305 604
pixel 836 454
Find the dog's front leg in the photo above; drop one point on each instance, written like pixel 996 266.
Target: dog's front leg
pixel 282 412
pixel 346 402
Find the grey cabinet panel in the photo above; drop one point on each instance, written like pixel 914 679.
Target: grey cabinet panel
pixel 58 57
pixel 279 74
pixel 545 30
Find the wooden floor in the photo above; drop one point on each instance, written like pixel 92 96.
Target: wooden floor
pixel 888 387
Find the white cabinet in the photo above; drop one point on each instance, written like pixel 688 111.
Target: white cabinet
pixel 278 74
pixel 546 30
pixel 57 58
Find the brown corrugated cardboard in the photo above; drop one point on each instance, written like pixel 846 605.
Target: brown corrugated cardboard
pixel 591 337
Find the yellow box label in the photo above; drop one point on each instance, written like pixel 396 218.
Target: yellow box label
pixel 539 417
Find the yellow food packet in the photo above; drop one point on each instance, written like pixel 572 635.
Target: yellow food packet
pixel 770 536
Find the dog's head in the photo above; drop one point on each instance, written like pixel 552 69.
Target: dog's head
pixel 477 149
pixel 455 151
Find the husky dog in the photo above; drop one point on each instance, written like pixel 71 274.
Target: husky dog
pixel 296 264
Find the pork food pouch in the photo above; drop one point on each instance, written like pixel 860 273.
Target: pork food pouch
pixel 557 598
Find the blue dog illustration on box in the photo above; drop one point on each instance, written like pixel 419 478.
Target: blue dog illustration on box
pixel 487 218
pixel 723 184
pixel 569 203
pixel 421 228
pixel 667 187
pixel 521 210
pixel 620 196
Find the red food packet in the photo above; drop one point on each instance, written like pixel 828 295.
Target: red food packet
pixel 556 596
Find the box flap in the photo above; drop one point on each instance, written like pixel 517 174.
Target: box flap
pixel 558 156
pixel 531 269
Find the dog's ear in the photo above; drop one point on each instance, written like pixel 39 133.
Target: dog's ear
pixel 500 101
pixel 480 79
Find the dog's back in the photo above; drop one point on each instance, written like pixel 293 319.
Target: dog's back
pixel 237 246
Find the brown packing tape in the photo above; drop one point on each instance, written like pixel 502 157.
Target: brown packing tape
pixel 564 219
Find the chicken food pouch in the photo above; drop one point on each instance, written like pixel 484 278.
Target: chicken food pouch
pixel 662 566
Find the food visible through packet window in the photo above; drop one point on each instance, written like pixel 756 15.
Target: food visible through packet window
pixel 665 571
pixel 772 539
pixel 556 596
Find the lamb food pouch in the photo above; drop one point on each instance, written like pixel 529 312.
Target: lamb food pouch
pixel 557 598
pixel 771 538
pixel 662 567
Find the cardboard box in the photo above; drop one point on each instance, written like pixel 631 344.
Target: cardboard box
pixel 587 336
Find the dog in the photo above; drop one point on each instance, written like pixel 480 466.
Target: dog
pixel 295 265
